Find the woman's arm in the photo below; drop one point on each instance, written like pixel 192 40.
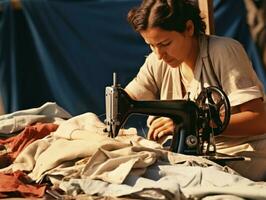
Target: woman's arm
pixel 251 120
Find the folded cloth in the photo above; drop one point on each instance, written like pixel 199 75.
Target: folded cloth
pixel 16 121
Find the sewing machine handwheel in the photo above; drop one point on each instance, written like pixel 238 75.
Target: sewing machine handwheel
pixel 216 104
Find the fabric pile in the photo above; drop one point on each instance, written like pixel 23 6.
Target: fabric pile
pixel 72 157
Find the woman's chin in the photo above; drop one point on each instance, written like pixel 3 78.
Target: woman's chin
pixel 173 65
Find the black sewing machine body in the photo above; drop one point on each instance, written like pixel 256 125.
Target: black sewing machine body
pixel 194 135
pixel 183 112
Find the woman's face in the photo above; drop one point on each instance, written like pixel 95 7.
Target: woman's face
pixel 171 46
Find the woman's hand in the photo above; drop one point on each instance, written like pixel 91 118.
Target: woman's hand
pixel 161 127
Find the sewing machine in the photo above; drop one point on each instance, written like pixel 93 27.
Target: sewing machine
pixel 197 121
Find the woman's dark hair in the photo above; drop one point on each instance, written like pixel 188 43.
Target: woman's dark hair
pixel 170 15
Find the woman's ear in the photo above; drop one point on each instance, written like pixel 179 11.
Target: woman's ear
pixel 190 27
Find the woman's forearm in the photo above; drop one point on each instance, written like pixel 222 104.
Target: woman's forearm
pixel 246 123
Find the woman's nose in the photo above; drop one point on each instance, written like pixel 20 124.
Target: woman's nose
pixel 159 52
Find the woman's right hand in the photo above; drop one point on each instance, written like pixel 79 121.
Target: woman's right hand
pixel 160 127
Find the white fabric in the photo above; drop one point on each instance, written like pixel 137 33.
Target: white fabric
pixel 16 121
pixel 180 180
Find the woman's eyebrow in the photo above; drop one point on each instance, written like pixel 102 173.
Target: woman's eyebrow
pixel 160 43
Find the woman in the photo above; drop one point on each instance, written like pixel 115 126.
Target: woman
pixel 184 60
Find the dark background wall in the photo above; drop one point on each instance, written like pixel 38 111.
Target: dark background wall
pixel 66 51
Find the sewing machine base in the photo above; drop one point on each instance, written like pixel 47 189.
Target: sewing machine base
pixel 221 158
pixel 216 157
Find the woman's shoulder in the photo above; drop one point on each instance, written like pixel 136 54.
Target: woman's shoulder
pixel 224 44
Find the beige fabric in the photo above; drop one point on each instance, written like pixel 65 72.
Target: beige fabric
pixel 157 80
pixel 64 150
pixel 113 166
pixel 87 121
pixel 27 158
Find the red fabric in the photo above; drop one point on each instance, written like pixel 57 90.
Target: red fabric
pixel 19 184
pixel 31 133
pixel 5 160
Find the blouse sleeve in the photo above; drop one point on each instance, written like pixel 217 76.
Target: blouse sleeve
pixel 145 85
pixel 232 64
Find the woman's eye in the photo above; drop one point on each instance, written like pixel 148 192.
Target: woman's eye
pixel 165 44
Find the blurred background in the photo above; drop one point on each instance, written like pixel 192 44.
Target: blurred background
pixel 65 51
